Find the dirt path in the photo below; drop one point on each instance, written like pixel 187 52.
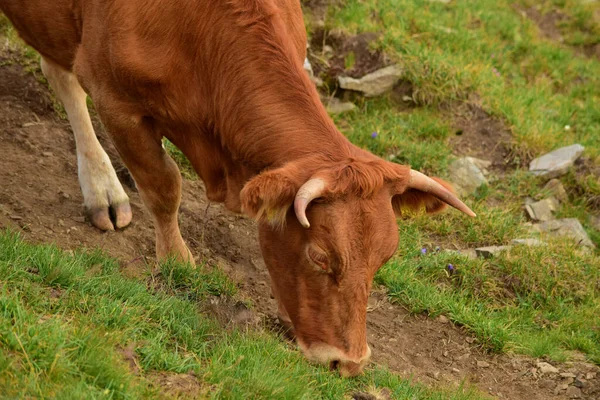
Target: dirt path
pixel 40 197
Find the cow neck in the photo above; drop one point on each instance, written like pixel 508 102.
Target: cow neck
pixel 269 112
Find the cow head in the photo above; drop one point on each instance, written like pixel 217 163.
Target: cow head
pixel 323 238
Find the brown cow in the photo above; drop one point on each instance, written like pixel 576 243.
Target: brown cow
pixel 224 81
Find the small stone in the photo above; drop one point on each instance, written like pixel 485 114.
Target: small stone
pixel 546 368
pixel 567 375
pixel 547 384
pixel 65 195
pixel 231 226
pixel 465 176
pixel 557 162
pixel 470 340
pixel 482 364
pixel 556 188
pixel 16 217
pixel 590 375
pixel 542 210
pixel 580 383
pixel 442 319
pixel 569 227
pixel 490 251
pixel 79 219
pixel 528 242
pixel 595 222
pixel 435 375
pixel 456 370
pixel 375 83
pixel 573 392
pixel 47 154
pixel 336 106
pixel 479 163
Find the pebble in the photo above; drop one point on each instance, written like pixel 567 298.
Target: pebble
pixel 546 368
pixel 573 392
pixel 443 319
pixel 482 364
pixel 490 251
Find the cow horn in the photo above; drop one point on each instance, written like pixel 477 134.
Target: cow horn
pixel 424 183
pixel 312 189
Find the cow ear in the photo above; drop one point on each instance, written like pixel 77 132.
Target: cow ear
pixel 416 200
pixel 268 196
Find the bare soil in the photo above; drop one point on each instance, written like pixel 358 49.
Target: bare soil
pixel 480 135
pixel 40 197
pixel 549 25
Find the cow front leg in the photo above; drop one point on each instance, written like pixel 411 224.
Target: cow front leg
pixel 156 175
pixel 106 203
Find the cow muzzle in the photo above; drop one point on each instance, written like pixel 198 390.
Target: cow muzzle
pixel 336 359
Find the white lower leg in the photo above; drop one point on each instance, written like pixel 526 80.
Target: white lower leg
pixel 98 180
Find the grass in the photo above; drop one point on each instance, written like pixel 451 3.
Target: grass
pixel 67 318
pixel 537 301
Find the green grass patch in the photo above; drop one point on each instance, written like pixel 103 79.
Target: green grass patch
pixel 66 318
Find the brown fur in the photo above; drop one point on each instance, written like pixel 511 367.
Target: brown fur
pixel 224 81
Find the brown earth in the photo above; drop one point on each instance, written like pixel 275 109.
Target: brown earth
pixel 480 135
pixel 40 197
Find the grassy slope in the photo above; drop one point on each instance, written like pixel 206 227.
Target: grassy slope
pixel 543 301
pixel 64 317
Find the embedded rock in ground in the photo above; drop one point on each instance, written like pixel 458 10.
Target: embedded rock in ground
pixel 375 83
pixel 595 222
pixel 490 251
pixel 469 253
pixel 556 188
pixel 483 165
pixel 542 210
pixel 465 176
pixel 528 242
pixel 336 106
pixel 568 227
pixel 556 163
pixel 546 368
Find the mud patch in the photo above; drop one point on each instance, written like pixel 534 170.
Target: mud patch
pixel 480 135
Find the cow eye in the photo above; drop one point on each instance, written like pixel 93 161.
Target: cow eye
pixel 318 258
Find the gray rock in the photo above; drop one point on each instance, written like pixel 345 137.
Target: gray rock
pixel 483 165
pixel 490 251
pixel 528 242
pixel 573 392
pixel 568 227
pixel 546 368
pixel 595 222
pixel 556 188
pixel 470 253
pixel 336 106
pixel 557 162
pixel 375 83
pixel 542 210
pixel 465 176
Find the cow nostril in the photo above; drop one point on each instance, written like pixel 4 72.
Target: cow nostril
pixel 334 365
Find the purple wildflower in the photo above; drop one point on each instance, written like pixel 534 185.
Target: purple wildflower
pixel 437 249
pixel 450 268
pixel 423 251
pixel 374 135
